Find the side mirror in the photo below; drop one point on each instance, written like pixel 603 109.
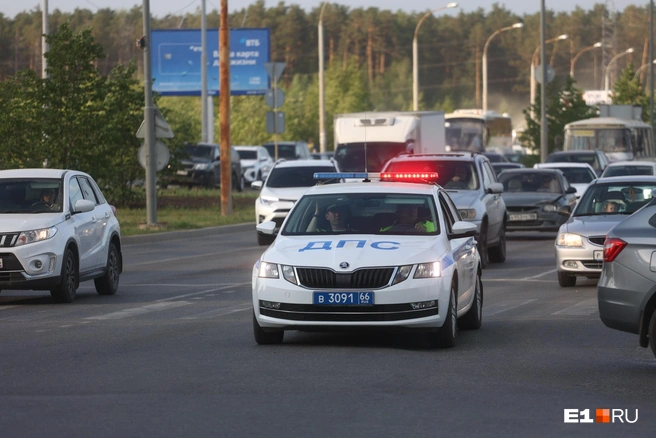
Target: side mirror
pixel 565 210
pixel 463 229
pixel 257 185
pixel 496 188
pixel 570 190
pixel 83 206
pixel 268 227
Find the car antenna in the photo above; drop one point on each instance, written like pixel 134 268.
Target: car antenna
pixel 366 171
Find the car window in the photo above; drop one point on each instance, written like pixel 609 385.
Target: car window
pixel 577 175
pixel 296 176
pixel 87 191
pixel 449 218
pixel 74 191
pixel 286 151
pixel 614 198
pixel 451 174
pixel 530 182
pixel 492 176
pixel 247 154
pixel 628 170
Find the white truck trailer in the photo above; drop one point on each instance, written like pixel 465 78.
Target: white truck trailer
pixel 381 136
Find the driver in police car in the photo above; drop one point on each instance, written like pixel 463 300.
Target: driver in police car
pixel 337 215
pixel 408 215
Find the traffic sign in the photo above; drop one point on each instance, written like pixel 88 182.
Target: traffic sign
pixel 550 74
pixel 162 129
pixel 161 152
pixel 279 98
pixel 275 122
pixel 274 69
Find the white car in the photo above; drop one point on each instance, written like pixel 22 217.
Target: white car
pixel 56 230
pixel 628 168
pixel 403 260
pixel 579 175
pixel 255 162
pixel 286 182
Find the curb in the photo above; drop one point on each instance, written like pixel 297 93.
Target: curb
pixel 187 234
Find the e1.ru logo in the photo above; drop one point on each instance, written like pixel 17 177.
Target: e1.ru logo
pixel 601 416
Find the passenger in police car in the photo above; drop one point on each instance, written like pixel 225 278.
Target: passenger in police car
pixel 408 219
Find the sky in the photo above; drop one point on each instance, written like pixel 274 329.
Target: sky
pixel 160 8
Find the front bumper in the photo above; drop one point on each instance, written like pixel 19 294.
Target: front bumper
pixel 31 267
pixel 580 261
pixel 544 221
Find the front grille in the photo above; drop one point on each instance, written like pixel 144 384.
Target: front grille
pixel 597 240
pixel 375 313
pixel 592 264
pixel 10 263
pixel 11 277
pixel 522 209
pixel 8 240
pixel 368 278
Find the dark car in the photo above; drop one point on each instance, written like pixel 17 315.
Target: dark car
pixel 536 199
pixel 289 150
pixel 595 158
pixel 202 167
pixel 500 167
pixel 495 158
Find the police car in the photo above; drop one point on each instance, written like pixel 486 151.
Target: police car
pixel 392 255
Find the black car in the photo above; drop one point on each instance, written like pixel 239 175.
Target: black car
pixel 500 167
pixel 536 199
pixel 595 158
pixel 495 158
pixel 202 167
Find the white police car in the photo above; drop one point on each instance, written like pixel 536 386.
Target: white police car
pixel 388 255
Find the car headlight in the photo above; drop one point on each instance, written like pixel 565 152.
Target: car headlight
pixel 569 240
pixel 268 270
pixel 201 166
pixel 35 236
pixel 267 200
pixel 428 270
pixel 402 274
pixel 467 213
pixel 289 274
pixel 550 207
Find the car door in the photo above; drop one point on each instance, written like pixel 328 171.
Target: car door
pixel 83 227
pixel 494 205
pixel 101 213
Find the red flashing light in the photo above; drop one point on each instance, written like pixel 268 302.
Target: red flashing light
pixel 612 248
pixel 429 177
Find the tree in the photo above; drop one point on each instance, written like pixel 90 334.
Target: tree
pixel 628 90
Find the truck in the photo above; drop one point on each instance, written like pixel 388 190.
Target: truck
pixel 380 136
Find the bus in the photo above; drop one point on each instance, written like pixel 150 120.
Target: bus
pixel 620 139
pixel 475 130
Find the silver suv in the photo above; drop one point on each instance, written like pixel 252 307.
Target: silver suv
pixel 472 184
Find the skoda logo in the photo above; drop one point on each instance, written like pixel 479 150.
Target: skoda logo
pixel 344 265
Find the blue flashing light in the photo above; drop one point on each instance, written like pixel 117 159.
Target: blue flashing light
pixel 340 175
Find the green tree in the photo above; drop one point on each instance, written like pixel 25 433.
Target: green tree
pixel 628 90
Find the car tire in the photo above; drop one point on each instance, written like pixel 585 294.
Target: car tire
pixel 264 239
pixel 566 280
pixel 652 333
pixel 266 337
pixel 65 291
pixel 259 176
pixel 238 183
pixel 211 181
pixel 482 245
pixel 473 319
pixel 445 336
pixel 108 283
pixel 497 254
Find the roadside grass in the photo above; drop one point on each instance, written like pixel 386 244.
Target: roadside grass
pixel 185 209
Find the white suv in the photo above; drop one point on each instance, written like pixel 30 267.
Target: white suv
pixel 286 182
pixel 57 229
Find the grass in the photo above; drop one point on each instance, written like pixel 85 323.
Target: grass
pixel 184 209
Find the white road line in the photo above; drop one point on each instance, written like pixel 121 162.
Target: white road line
pixel 216 289
pixel 516 280
pixel 171 285
pixel 173 259
pixel 136 311
pixel 221 312
pixel 584 308
pixel 495 309
pixel 540 275
pixel 7 307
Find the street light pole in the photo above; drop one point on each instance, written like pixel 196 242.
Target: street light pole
pixel 415 54
pixel 535 55
pixel 642 67
pixel 544 129
pixel 587 49
pixel 322 108
pixel 607 72
pixel 487 43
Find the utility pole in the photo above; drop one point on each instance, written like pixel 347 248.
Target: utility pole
pixel 224 117
pixel 44 44
pixel 322 105
pixel 149 120
pixel 651 63
pixel 203 71
pixel 544 129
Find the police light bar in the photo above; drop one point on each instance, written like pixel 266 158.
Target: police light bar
pixel 339 175
pixel 409 176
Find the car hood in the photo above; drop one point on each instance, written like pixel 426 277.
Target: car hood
pixel 196 160
pixel 26 222
pixel 285 193
pixel 592 225
pixel 248 163
pixel 463 198
pixel 358 250
pixel 529 199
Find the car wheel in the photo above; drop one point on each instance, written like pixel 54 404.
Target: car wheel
pixel 259 176
pixel 473 319
pixel 266 337
pixel 482 245
pixel 108 283
pixel 566 280
pixel 445 337
pixel 65 291
pixel 265 239
pixel 211 181
pixel 497 254
pixel 652 333
pixel 238 183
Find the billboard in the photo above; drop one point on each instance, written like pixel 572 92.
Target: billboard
pixel 176 65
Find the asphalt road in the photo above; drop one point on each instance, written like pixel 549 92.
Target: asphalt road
pixel 172 354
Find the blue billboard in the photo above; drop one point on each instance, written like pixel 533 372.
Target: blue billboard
pixel 176 63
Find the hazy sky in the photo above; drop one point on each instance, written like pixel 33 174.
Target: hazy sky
pixel 160 8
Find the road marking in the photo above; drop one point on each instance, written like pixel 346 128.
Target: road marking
pixel 136 311
pixel 584 308
pixel 173 259
pixel 216 289
pixel 7 307
pixel 517 280
pixel 540 275
pixel 495 309
pixel 221 312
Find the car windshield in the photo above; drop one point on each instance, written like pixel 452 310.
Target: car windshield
pixel 247 154
pixel 615 198
pixel 578 175
pixel 296 176
pixel 590 159
pixel 199 151
pixel 363 213
pixel 628 170
pixel 30 196
pixel 465 134
pixel 530 182
pixel 286 151
pixel 350 157
pixel 452 175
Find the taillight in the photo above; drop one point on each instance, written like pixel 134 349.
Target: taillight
pixel 612 248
